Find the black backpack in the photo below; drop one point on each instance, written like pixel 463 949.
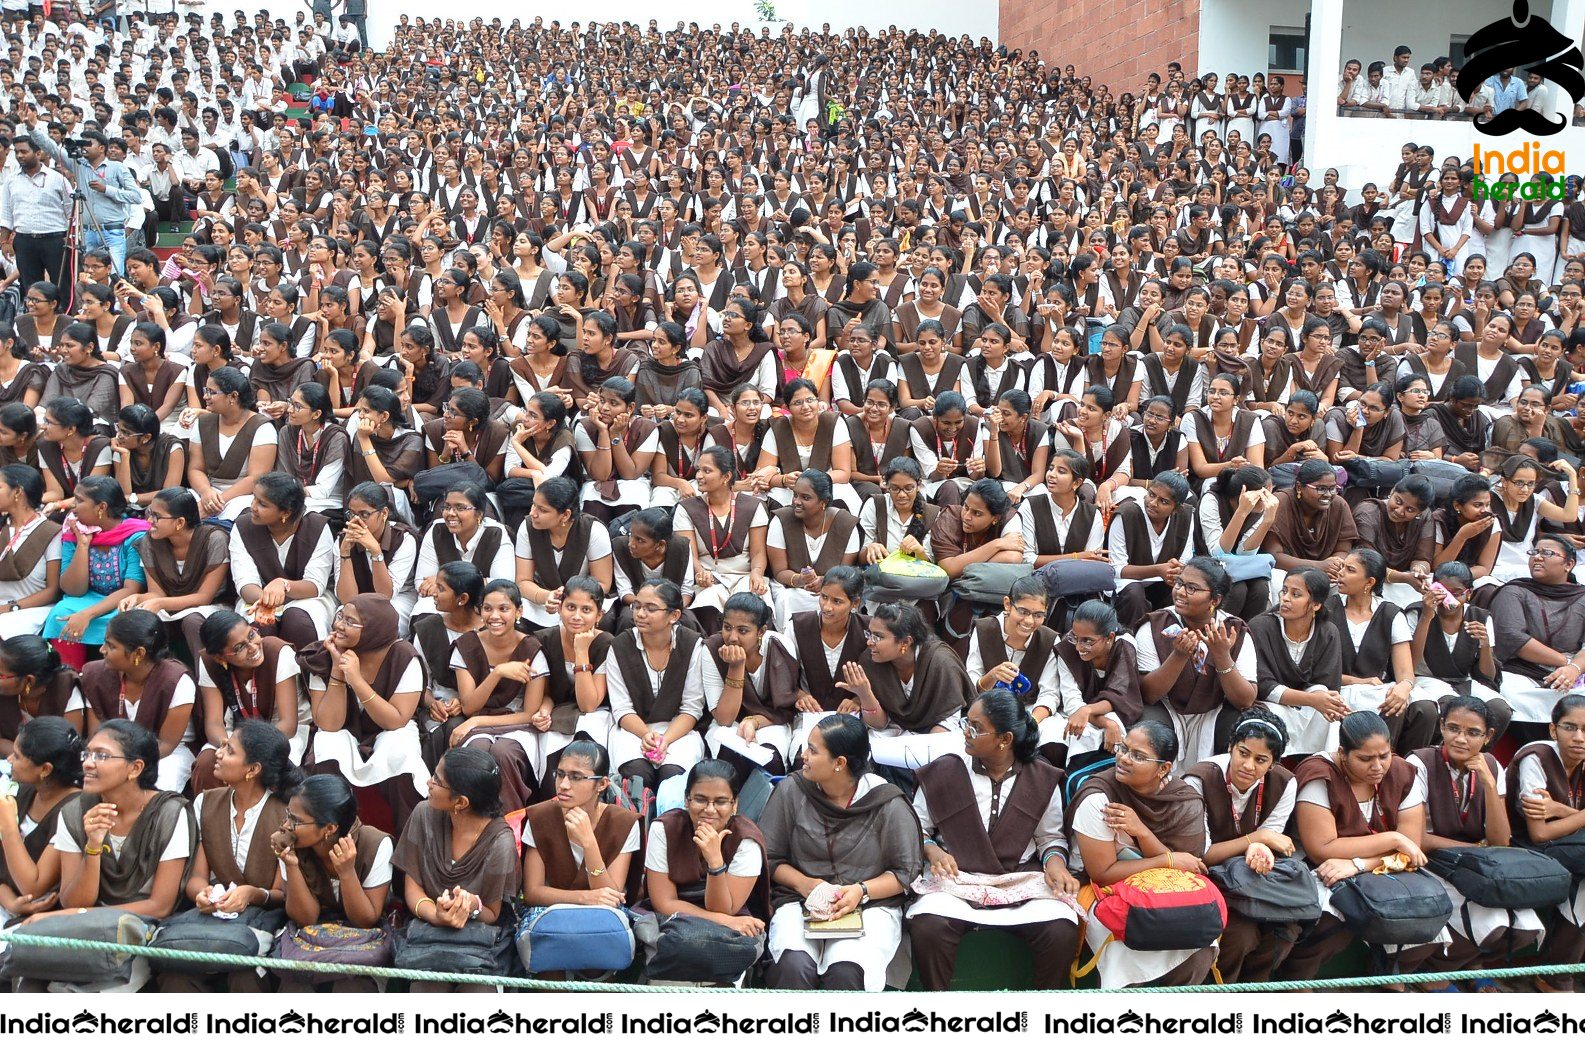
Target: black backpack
pixel 1568 851
pixel 1408 907
pixel 1503 876
pixel 1288 893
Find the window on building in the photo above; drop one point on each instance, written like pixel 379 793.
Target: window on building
pixel 1455 48
pixel 1287 53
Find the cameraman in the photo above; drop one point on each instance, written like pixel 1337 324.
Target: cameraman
pixel 35 204
pixel 109 189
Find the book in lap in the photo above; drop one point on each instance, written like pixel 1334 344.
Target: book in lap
pixel 848 926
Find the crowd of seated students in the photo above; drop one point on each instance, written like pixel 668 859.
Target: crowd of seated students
pixel 478 507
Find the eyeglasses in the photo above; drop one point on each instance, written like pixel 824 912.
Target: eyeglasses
pixel 362 515
pixel 294 822
pixel 972 731
pixel 1455 731
pixel 703 802
pixel 572 778
pixel 1122 750
pixel 651 609
pixel 1191 589
pixel 342 619
pixel 1027 614
pixel 1081 643
pixel 99 756
pixel 436 782
pixel 243 646
pixel 1516 483
pixel 1544 552
pixel 457 508
pixel 1321 490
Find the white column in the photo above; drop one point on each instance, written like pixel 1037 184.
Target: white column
pixel 1567 17
pixel 1325 66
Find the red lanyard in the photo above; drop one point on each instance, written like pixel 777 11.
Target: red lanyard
pixel 716 548
pixel 941 448
pixel 1466 796
pixel 73 476
pixel 1020 445
pixel 306 461
pixel 121 699
pixel 685 465
pixel 247 695
pixel 1260 797
pixel 1375 811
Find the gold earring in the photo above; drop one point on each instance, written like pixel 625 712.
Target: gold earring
pixel 136 660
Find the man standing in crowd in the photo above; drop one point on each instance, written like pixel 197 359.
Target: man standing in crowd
pixel 1400 81
pixel 108 189
pixel 35 208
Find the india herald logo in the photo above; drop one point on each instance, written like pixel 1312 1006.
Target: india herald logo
pixel 1528 41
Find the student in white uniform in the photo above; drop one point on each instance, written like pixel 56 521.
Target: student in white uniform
pixel 30 553
pixel 1249 797
pixel 462 533
pixel 1466 809
pixel 751 686
pixel 840 838
pixel 1545 804
pixel 1013 827
pixel 1134 818
pixel 655 680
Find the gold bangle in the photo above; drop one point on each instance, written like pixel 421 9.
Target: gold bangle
pixel 1169 860
pixel 92 852
pixel 421 901
pixel 594 873
pixel 733 683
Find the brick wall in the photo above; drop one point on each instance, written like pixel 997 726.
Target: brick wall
pixel 1116 42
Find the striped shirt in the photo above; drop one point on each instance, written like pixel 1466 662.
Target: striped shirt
pixel 37 203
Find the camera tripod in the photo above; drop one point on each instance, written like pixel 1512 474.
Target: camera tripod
pixel 75 246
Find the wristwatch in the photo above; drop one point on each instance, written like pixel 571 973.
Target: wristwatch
pixel 1359 865
pixel 864 890
pixel 377 557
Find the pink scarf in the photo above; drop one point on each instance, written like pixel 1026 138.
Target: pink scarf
pixel 111 537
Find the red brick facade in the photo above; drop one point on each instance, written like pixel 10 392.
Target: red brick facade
pixel 1116 42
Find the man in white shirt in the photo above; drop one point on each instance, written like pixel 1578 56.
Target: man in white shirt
pixel 346 38
pixel 1427 98
pixel 1543 96
pixel 1400 81
pixel 1352 89
pixel 194 162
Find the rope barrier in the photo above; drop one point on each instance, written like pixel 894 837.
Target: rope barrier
pixel 534 984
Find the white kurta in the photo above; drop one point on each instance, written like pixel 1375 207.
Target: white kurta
pixel 1118 966
pixel 319 570
pixel 1048 833
pixel 397 752
pixel 769 741
pixel 1476 922
pixel 872 953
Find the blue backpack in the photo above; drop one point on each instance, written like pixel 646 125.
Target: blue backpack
pixel 575 937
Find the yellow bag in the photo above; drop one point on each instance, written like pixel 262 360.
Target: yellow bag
pixel 902 576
